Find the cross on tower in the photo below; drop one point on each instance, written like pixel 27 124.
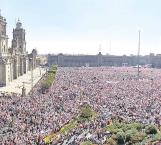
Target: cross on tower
pixel 100 48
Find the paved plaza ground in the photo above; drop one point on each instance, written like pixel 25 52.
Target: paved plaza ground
pixel 16 85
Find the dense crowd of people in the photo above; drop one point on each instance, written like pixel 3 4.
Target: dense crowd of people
pixel 110 91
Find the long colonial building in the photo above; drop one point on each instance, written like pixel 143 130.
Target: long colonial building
pixel 14 61
pixel 103 60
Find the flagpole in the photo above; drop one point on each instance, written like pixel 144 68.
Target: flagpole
pixel 138 57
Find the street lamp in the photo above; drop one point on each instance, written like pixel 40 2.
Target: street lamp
pixel 32 76
pixel 23 90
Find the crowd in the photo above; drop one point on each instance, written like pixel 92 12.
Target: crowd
pixel 110 91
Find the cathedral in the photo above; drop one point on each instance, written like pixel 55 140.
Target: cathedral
pixel 15 60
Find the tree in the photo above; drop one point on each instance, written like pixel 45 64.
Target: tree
pixel 151 129
pixel 120 136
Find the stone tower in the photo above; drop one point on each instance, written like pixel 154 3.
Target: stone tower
pixel 3 37
pixel 19 50
pixel 19 42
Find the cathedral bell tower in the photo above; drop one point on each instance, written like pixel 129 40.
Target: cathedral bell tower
pixel 19 42
pixel 3 37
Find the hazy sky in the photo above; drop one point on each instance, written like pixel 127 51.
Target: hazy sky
pixel 79 26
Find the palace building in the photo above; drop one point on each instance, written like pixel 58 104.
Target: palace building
pixel 66 60
pixel 14 60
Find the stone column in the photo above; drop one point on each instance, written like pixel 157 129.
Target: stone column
pixel 22 65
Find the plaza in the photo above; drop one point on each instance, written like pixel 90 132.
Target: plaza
pixel 16 85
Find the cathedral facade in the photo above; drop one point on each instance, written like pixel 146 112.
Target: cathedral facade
pixel 14 61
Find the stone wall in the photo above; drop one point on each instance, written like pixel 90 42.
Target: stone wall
pixel 2 76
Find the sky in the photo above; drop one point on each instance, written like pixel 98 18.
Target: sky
pixel 86 26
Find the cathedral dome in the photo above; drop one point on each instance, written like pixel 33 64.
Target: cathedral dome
pixel 34 51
